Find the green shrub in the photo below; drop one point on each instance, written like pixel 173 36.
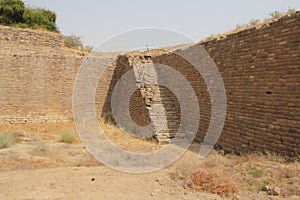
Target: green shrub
pixel 15 13
pixel 11 11
pixel 37 17
pixel 73 41
pixel 6 140
pixel 67 137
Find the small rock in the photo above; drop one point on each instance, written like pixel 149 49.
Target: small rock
pixel 276 191
pixel 266 188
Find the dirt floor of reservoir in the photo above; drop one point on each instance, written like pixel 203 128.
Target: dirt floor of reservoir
pixel 40 166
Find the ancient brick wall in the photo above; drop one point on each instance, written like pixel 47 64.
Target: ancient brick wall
pixel 29 37
pixel 260 69
pixel 36 76
pixel 261 72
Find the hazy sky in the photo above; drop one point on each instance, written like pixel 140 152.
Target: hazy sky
pixel 97 20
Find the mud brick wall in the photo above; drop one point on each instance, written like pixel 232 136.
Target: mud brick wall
pixel 196 81
pixel 36 76
pixel 162 107
pixel 36 87
pixel 261 73
pixel 30 37
pixel 260 69
pixel 142 99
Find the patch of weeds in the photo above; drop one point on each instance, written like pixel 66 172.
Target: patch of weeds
pixel 291 11
pixel 212 182
pixel 67 137
pixel 212 36
pixel 276 14
pixel 6 140
pixel 205 180
pixel 256 173
pixel 254 22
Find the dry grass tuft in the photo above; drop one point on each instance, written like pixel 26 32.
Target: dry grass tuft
pixel 202 179
pixel 6 140
pixel 212 182
pixel 230 175
pixel 122 139
pixel 67 137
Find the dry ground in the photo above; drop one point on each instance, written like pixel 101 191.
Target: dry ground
pixel 39 166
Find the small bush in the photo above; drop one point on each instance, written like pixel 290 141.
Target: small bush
pixel 256 173
pixel 15 13
pixel 276 14
pixel 212 182
pixel 11 11
pixel 254 22
pixel 210 37
pixel 202 179
pixel 291 11
pixel 67 137
pixel 38 17
pixel 6 140
pixel 73 41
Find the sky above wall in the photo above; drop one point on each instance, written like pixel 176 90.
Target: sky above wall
pixel 97 20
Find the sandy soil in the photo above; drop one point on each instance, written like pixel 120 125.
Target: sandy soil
pixel 39 166
pixel 90 183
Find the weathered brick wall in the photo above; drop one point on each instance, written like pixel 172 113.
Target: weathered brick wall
pixel 30 37
pixel 260 70
pixel 36 76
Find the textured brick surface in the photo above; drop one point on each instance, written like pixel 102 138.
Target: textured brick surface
pixel 36 76
pixel 260 70
pixel 261 73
